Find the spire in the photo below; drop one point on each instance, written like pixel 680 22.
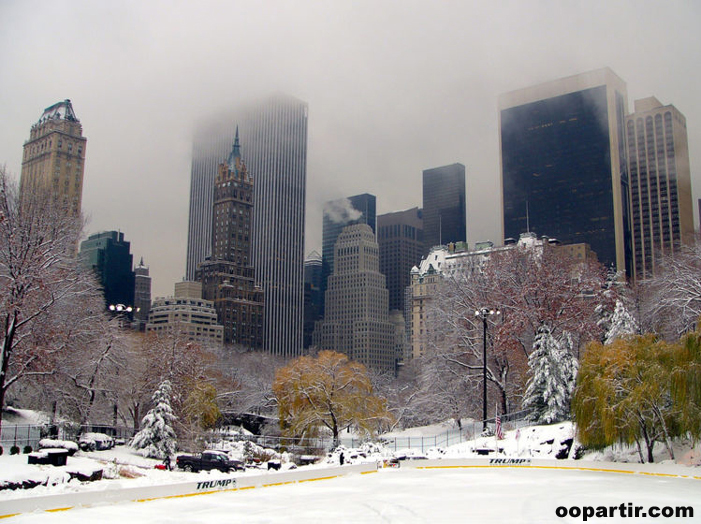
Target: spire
pixel 235 151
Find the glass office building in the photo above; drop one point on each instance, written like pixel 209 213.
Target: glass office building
pixel 444 216
pixel 563 164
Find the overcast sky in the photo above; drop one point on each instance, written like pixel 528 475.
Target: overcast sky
pixel 393 87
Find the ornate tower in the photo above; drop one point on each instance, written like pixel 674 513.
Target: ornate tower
pixel 54 157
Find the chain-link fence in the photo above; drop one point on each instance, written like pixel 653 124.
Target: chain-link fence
pixel 29 435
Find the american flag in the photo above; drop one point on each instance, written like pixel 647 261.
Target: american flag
pixel 500 433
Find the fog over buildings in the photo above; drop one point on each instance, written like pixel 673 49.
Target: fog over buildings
pixel 393 88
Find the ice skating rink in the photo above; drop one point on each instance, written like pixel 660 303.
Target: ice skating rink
pixel 405 495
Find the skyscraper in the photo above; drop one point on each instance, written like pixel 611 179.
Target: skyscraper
pixel 107 254
pixel 400 237
pixel 54 156
pixel 660 183
pixel 444 206
pixel 312 295
pixel 227 277
pixel 274 137
pixel 142 294
pixel 563 163
pixel 357 313
pixel 339 213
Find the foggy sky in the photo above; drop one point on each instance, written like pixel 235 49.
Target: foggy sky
pixel 393 87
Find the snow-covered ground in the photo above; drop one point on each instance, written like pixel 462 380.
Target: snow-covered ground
pixel 391 495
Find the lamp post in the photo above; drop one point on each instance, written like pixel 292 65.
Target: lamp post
pixel 484 313
pixel 120 311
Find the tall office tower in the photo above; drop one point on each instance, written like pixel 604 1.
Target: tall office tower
pixel 312 295
pixel 142 294
pixel 274 137
pixel 358 209
pixel 563 163
pixel 400 237
pixel 662 213
pixel 357 303
pixel 444 206
pixel 54 157
pixel 227 277
pixel 107 254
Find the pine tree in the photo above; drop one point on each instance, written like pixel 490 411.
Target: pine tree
pixel 553 371
pixel 157 437
pixel 622 323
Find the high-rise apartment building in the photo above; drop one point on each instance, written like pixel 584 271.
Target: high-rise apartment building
pixel 54 157
pixel 357 303
pixel 274 137
pixel 660 183
pixel 444 213
pixel 142 295
pixel 339 213
pixel 563 164
pixel 400 237
pixel 227 277
pixel 107 254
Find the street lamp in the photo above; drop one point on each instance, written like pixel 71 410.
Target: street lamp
pixel 485 313
pixel 120 311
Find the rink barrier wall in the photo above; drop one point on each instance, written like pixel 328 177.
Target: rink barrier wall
pixel 657 470
pixel 227 483
pixel 202 486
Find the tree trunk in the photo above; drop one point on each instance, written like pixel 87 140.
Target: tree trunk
pixel 5 352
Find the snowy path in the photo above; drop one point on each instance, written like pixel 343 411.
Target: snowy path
pixel 408 496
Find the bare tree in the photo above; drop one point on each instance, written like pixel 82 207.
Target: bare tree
pixel 671 302
pixel 530 287
pixel 39 276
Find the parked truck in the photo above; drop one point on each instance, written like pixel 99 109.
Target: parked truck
pixel 208 460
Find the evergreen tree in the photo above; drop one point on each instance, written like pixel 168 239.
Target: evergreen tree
pixel 157 437
pixel 622 323
pixel 553 371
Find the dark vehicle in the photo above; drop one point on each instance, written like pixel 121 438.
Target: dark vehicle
pixel 208 460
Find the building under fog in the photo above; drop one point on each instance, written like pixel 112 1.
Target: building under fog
pixel 444 213
pixel 563 164
pixel 274 137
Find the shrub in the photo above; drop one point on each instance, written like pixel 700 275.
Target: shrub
pixel 27 450
pixel 14 450
pixel 1 450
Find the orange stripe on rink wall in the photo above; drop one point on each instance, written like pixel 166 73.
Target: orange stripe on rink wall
pixel 655 470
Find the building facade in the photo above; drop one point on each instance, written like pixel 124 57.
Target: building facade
pixel 142 295
pixel 563 164
pixel 444 213
pixel 660 183
pixel 400 237
pixel 339 213
pixel 188 313
pixel 54 157
pixel 108 255
pixel 312 295
pixel 227 277
pixel 458 259
pixel 274 136
pixel 357 303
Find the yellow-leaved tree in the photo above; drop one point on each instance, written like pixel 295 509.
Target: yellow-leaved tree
pixel 327 391
pixel 638 390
